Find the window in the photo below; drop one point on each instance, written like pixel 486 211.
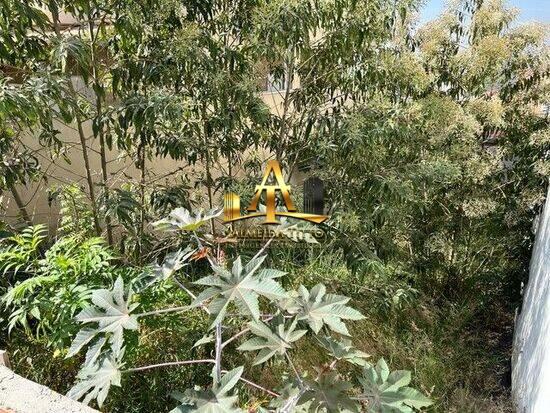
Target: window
pixel 275 83
pixel 272 80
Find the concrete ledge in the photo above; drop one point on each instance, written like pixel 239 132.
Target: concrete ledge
pixel 19 395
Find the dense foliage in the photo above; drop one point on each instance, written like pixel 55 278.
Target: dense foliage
pixel 433 145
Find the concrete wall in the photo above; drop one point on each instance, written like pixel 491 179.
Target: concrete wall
pixel 20 395
pixel 531 356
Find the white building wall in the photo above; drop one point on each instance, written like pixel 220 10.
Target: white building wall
pixel 531 356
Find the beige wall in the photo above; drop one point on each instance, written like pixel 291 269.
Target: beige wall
pixel 57 171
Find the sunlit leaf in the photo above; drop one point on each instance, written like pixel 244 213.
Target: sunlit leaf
pixel 94 382
pixel 318 308
pixel 214 400
pixel 180 219
pixel 386 391
pixel 157 273
pixel 241 286
pixel 329 393
pixel 343 350
pixel 273 339
pixel 111 311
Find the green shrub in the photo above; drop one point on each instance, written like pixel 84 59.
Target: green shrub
pixel 241 300
pixel 50 287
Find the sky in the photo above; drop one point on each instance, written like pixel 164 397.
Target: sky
pixel 531 10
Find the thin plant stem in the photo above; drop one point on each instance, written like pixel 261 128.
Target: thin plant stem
pixel 218 360
pixel 142 183
pixel 99 114
pixel 209 182
pixel 53 8
pixel 168 364
pixel 256 386
pixel 184 288
pixel 286 102
pixel 236 336
pixel 263 248
pixel 193 296
pixel 163 311
pixel 300 382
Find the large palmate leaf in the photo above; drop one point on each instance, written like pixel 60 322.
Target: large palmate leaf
pixel 318 308
pixel 289 399
pixel 157 273
pixel 385 391
pixel 83 337
pixel 95 380
pixel 343 350
pixel 329 394
pixel 214 400
pixel 111 314
pixel 94 351
pixel 270 340
pixel 242 286
pixel 180 219
pixel 111 311
pixel 295 231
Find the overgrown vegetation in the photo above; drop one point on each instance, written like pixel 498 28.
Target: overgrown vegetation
pixel 432 143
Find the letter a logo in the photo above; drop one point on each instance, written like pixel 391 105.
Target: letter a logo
pixel 279 186
pixel 274 168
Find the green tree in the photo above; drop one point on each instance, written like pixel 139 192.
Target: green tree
pixel 441 169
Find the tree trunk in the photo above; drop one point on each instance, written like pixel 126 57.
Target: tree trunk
pixel 142 183
pixel 100 130
pixel 209 188
pixel 208 171
pixel 20 205
pixel 55 20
